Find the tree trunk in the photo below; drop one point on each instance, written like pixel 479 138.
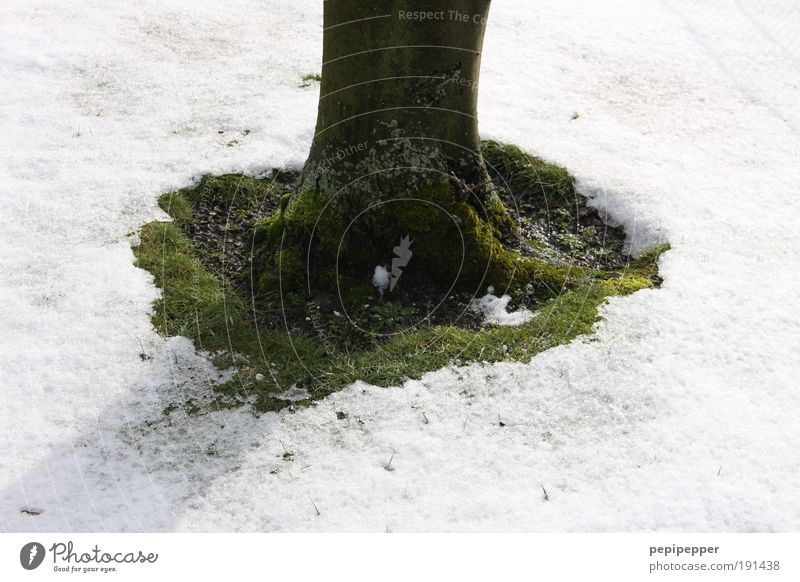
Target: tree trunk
pixel 395 176
pixel 399 94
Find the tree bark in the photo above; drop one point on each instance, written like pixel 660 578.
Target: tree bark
pixel 398 97
pixel 396 155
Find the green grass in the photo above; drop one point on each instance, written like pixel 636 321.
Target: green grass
pixel 310 78
pixel 197 304
pixel 530 178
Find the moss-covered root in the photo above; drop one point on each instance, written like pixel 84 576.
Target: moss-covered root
pixel 454 244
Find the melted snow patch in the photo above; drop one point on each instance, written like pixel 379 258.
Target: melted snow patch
pixel 495 310
pixel 294 394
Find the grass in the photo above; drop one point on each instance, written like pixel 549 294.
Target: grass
pixel 196 304
pixel 310 78
pixel 218 318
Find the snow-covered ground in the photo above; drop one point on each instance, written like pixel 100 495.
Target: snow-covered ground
pixel 682 413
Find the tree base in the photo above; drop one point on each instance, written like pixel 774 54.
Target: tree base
pixel 438 236
pixel 234 280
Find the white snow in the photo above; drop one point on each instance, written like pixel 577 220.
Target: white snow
pixel 495 310
pixel 679 414
pixel 381 278
pixel 294 393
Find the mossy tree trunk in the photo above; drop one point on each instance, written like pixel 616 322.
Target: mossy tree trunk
pixel 396 156
pixel 399 94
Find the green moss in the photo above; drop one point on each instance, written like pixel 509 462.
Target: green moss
pixel 529 178
pixel 196 304
pixel 227 188
pixel 409 356
pixel 434 217
pixel 646 264
pixel 283 241
pixel 177 206
pixel 498 216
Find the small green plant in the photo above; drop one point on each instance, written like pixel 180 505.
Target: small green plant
pixel 191 407
pixel 571 241
pixel 391 317
pixel 309 79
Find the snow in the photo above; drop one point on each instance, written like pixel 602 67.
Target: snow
pixel 294 393
pixel 381 278
pixel 679 414
pixel 495 310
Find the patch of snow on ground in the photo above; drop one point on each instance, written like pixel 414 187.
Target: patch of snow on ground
pixel 679 414
pixel 294 394
pixel 381 278
pixel 495 311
